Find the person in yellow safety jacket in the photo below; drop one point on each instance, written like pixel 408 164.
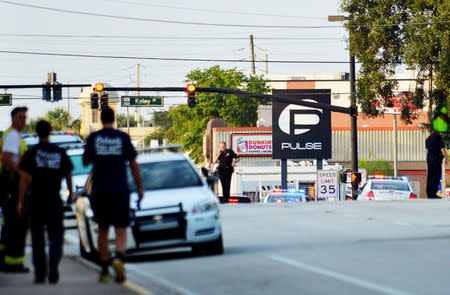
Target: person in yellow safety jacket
pixel 12 241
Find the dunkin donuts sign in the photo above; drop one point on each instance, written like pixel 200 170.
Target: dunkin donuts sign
pixel 252 144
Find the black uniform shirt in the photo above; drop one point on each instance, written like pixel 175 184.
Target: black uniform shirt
pixel 434 145
pixel 226 159
pixel 109 150
pixel 47 164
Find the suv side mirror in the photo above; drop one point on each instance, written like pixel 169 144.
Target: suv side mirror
pixel 81 192
pixel 204 172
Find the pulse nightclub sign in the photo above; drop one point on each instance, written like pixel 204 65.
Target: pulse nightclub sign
pixel 300 132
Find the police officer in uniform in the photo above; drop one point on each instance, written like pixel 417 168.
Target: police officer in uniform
pixel 43 168
pixel 435 154
pixel 227 159
pixel 109 150
pixel 12 242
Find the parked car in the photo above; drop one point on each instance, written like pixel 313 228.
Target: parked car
pixel 381 188
pixel 178 209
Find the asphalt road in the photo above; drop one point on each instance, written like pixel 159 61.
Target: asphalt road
pixel 396 248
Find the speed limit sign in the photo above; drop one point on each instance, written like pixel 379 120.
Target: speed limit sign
pixel 327 185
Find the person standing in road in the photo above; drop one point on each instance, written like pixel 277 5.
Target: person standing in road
pixel 227 159
pixel 12 242
pixel 109 150
pixel 43 168
pixel 435 154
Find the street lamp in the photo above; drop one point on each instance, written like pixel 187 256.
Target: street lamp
pixel 354 114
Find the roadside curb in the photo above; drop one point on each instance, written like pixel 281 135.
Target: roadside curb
pixel 129 285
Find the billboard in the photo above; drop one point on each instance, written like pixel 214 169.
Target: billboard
pixel 301 132
pixel 248 144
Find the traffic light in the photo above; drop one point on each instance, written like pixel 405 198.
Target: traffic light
pixel 98 87
pixel 356 177
pixel 104 100
pixel 57 92
pixel 94 100
pixel 440 119
pixel 190 89
pixel 46 92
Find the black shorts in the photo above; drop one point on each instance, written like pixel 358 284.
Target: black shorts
pixel 111 209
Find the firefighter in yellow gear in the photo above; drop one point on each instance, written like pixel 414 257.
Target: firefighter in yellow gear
pixel 12 241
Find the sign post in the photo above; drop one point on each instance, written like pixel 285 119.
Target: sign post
pixel 301 132
pixel 5 99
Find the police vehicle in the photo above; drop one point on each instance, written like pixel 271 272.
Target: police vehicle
pixel 286 196
pixel 60 138
pixel 178 209
pixel 80 174
pixel 384 188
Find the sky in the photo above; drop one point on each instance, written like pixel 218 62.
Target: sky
pixel 22 29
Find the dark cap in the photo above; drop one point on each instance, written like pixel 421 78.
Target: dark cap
pixel 18 109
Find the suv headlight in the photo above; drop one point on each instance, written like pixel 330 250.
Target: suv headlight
pixel 205 206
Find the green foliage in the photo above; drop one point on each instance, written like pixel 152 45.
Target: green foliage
pixel 122 121
pixel 384 34
pixel 59 119
pixel 163 123
pixel 188 125
pixel 378 166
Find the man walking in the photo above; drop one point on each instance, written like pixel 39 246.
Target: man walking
pixel 435 154
pixel 12 242
pixel 109 150
pixel 227 159
pixel 43 168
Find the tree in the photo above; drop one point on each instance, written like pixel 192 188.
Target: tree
pixel 163 123
pixel 379 166
pixel 188 125
pixel 59 119
pixel 122 121
pixel 386 34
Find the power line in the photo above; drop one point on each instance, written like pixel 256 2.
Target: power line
pixel 208 24
pixel 163 37
pixel 218 11
pixel 169 58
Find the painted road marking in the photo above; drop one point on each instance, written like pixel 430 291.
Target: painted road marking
pixel 163 282
pixel 338 276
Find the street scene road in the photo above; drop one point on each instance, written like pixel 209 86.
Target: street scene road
pixel 224 147
pixel 312 248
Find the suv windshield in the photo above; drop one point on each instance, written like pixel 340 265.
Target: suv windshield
pixel 166 175
pixel 391 185
pixel 78 167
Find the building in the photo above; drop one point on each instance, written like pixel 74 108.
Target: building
pixel 375 135
pixel 90 119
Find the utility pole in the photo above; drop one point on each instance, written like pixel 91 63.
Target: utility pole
pixel 252 54
pixel 267 63
pixel 353 106
pixel 68 100
pixel 138 111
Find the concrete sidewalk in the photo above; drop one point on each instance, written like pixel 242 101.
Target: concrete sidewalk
pixel 76 277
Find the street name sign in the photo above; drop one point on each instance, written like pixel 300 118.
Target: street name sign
pixel 328 184
pixel 142 101
pixel 5 99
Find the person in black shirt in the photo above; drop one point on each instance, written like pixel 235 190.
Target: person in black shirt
pixel 109 150
pixel 43 167
pixel 227 159
pixel 435 154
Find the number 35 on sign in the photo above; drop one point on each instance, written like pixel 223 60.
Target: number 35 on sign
pixel 327 185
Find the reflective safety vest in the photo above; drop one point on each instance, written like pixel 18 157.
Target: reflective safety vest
pixel 23 147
